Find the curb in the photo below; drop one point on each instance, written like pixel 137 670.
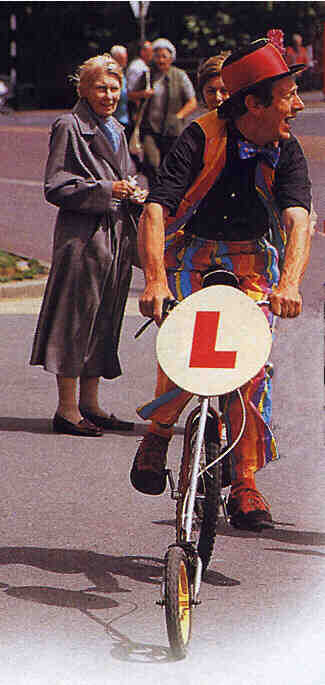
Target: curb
pixel 33 288
pixel 36 287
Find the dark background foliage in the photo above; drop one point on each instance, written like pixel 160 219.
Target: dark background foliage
pixel 53 38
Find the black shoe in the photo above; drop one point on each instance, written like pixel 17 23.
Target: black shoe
pixel 83 428
pixel 148 473
pixel 111 423
pixel 248 509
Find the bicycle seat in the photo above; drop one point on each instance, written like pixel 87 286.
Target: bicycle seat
pixel 219 276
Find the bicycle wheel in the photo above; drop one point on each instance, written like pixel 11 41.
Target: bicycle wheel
pixel 178 604
pixel 208 498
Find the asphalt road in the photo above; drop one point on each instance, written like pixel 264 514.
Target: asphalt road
pixel 81 553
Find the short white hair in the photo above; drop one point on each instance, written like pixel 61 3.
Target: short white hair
pixel 164 44
pixel 117 50
pixel 88 71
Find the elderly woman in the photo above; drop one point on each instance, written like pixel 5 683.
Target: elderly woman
pixel 172 101
pixel 209 81
pixel 80 321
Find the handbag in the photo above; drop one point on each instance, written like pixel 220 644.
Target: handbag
pixel 135 144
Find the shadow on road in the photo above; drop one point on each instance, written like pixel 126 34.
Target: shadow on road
pixel 293 537
pixel 16 424
pixel 103 571
pixel 100 570
pixel 25 425
pixel 123 648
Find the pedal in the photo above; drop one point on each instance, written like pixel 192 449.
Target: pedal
pixel 174 491
pixel 223 509
pixel 161 602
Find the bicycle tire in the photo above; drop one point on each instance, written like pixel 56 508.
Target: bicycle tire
pixel 178 600
pixel 208 502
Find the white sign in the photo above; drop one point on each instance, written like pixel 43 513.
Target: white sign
pixel 214 341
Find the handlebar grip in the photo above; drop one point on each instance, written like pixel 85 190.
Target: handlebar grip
pixel 143 327
pixel 168 305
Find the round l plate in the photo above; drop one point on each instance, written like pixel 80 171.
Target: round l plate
pixel 214 341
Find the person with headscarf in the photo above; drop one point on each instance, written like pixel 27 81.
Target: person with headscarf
pixel 172 101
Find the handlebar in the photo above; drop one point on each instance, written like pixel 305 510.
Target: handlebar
pixel 219 277
pixel 168 305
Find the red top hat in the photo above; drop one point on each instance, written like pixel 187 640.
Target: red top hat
pixel 259 62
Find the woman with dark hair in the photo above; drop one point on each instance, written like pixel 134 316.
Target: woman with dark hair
pixel 87 178
pixel 209 81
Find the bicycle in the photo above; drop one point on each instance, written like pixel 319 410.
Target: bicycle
pixel 188 331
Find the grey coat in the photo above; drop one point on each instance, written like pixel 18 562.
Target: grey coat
pixel 80 321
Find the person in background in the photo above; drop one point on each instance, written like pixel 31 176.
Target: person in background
pixel 86 177
pixel 120 54
pixel 138 72
pixel 209 81
pixel 138 68
pixel 172 101
pixel 308 74
pixel 296 53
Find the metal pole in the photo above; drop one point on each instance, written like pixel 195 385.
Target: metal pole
pixel 142 22
pixel 13 58
pixel 323 65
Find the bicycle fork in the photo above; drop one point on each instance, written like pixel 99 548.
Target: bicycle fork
pixel 188 518
pixel 187 522
pixel 189 510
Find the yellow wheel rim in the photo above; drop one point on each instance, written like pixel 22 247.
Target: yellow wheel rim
pixel 184 603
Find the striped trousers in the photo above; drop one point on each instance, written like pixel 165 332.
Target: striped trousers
pixel 255 264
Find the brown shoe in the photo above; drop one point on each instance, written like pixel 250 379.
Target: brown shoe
pixel 107 423
pixel 248 510
pixel 148 473
pixel 83 429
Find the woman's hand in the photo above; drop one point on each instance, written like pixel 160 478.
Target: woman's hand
pixel 139 195
pixel 122 189
pixel 129 190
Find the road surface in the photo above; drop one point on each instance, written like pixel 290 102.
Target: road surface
pixel 81 552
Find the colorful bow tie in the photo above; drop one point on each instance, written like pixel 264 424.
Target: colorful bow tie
pixel 270 153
